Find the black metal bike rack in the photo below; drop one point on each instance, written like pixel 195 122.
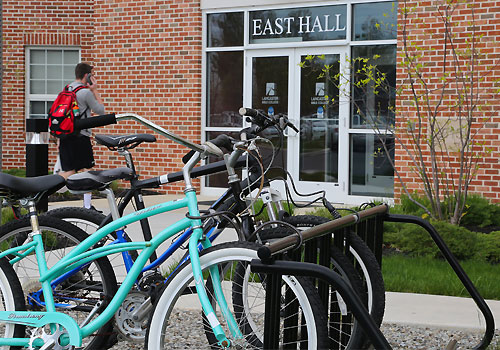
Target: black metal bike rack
pixel 273 303
pixel 315 249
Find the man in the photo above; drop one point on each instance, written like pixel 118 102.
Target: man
pixel 75 151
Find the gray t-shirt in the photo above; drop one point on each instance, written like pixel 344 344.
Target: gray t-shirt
pixel 86 103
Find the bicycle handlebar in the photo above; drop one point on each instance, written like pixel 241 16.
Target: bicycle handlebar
pixel 94 122
pixel 212 149
pixel 263 120
pixel 222 140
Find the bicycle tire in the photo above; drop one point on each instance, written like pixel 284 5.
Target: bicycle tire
pixel 11 296
pixel 223 254
pixel 89 221
pixel 344 331
pixel 82 290
pixel 364 261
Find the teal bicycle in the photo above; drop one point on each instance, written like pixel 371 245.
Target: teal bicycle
pixel 211 274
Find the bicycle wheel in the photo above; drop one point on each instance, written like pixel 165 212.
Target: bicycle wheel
pixel 78 295
pixel 89 221
pixel 11 299
pixel 344 331
pixel 172 326
pixel 364 261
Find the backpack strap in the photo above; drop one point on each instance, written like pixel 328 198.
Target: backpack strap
pixel 78 88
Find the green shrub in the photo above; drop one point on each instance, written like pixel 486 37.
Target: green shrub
pixel 16 172
pixel 7 215
pixel 264 216
pixel 321 211
pixel 488 248
pixel 478 212
pixel 409 207
pixel 416 241
pixel 495 214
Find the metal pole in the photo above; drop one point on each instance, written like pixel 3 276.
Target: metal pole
pixel 37 152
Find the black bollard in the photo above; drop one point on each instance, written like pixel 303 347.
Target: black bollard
pixel 37 152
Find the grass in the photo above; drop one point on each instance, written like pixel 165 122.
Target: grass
pixel 431 276
pixel 16 172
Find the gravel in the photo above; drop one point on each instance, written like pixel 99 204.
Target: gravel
pixel 413 337
pixel 399 336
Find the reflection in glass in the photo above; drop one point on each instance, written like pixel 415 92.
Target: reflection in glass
pixel 70 56
pixel 54 87
pixel 54 57
pixel 38 109
pixel 375 21
pixel 54 72
pixel 37 87
pixel 319 119
pixel 37 57
pixel 49 77
pixel 371 171
pixel 219 180
pixel 225 29
pixel 270 94
pixel 370 109
pixel 225 88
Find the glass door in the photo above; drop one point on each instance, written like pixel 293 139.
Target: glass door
pixel 293 82
pixel 268 83
pixel 321 110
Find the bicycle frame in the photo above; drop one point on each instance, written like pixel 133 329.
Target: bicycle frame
pixel 83 254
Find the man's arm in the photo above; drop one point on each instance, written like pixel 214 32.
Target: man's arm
pixel 93 100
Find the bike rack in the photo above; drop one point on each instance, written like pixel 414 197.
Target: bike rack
pixel 368 224
pixel 272 318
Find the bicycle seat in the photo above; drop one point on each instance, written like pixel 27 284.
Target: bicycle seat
pixel 28 187
pixel 97 179
pixel 123 141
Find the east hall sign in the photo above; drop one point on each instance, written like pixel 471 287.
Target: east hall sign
pixel 298 24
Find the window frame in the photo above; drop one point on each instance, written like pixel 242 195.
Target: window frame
pixel 245 7
pixel 29 97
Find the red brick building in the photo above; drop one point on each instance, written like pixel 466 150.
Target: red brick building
pixel 189 65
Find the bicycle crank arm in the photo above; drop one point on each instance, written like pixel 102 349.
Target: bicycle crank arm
pixel 142 311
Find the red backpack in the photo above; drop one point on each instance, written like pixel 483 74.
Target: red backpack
pixel 63 112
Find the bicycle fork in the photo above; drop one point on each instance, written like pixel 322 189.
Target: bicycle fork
pixel 202 294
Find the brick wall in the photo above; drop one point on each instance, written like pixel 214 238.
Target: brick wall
pixel 148 61
pixel 424 29
pixel 147 56
pixel 27 23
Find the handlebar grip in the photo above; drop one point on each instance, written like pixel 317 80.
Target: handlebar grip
pixel 249 112
pixel 221 140
pixel 94 122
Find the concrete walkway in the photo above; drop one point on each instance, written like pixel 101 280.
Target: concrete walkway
pixel 401 308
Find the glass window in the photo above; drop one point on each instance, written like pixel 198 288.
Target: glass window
pixel 225 29
pixel 270 94
pixel 319 119
pixel 298 24
pixel 373 106
pixel 49 71
pixel 375 21
pixel 225 88
pixel 371 171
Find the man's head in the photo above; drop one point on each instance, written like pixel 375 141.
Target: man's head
pixel 81 69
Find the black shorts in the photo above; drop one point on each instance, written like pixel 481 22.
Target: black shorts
pixel 76 153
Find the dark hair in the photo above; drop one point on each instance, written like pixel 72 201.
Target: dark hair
pixel 81 69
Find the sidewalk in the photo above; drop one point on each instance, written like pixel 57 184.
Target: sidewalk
pixel 401 308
